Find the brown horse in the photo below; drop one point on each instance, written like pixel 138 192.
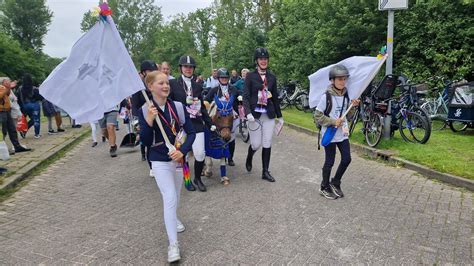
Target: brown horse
pixel 222 116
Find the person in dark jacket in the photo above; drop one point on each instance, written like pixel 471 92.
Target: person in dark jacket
pixel 261 108
pixel 186 91
pixel 225 90
pixel 138 101
pixel 165 161
pixel 29 99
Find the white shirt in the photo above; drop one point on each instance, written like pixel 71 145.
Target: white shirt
pixel 334 113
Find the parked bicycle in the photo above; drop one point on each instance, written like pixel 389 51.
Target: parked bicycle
pixel 293 94
pixel 411 123
pixel 438 107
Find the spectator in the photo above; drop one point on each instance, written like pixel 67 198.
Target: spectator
pixel 50 111
pixel 240 83
pixel 234 78
pixel 165 68
pixel 6 120
pixel 212 81
pixel 30 102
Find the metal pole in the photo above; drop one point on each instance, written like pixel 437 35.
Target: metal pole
pixel 389 63
pixel 388 70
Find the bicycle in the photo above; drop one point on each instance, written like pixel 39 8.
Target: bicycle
pixel 413 126
pixel 243 128
pixel 299 97
pixel 437 107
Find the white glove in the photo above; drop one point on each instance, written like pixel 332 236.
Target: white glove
pixel 280 120
pixel 213 128
pixel 240 98
pixel 250 118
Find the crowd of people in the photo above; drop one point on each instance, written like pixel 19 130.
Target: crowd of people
pixel 178 118
pixel 20 110
pixel 182 117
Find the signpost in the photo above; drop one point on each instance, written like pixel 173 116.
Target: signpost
pixel 390 6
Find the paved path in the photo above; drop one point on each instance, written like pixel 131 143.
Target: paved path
pixel 43 148
pixel 90 208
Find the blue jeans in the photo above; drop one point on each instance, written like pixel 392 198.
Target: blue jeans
pixel 32 110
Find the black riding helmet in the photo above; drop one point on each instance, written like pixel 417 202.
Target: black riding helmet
pixel 261 53
pixel 223 73
pixel 148 65
pixel 187 60
pixel 338 71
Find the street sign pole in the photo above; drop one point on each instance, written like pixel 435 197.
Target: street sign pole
pixel 388 70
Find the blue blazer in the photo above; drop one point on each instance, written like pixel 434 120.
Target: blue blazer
pixel 151 136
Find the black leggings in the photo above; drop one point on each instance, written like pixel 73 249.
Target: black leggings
pixel 330 150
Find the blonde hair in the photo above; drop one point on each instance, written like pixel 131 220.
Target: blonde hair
pixel 152 76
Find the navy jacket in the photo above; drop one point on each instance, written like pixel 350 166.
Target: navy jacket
pixel 253 83
pixel 178 94
pixel 158 150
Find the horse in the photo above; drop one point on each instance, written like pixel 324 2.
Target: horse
pixel 222 116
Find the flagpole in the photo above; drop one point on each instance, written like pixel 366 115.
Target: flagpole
pixel 366 84
pixel 170 146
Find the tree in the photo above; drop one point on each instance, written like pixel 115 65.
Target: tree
pixel 434 38
pixel 136 20
pixel 26 21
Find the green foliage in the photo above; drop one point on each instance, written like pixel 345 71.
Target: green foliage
pixel 16 61
pixel 26 21
pixel 434 38
pixel 136 21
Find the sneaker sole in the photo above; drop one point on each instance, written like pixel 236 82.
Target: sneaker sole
pixel 174 259
pixel 335 193
pixel 322 194
pixel 182 230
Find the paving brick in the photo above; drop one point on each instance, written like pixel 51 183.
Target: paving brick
pixel 88 208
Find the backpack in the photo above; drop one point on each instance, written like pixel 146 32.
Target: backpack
pixel 326 113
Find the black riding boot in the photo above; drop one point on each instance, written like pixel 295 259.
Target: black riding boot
pixel 266 152
pixel 230 161
pixel 248 162
pixel 198 166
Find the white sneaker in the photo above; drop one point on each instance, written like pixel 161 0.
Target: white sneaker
pixel 180 226
pixel 173 253
pixel 151 173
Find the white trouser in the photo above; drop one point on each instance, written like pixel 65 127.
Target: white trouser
pixel 94 130
pixel 169 180
pixel 235 128
pixel 261 132
pixel 199 148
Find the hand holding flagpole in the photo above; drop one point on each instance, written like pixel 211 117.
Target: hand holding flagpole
pixel 171 147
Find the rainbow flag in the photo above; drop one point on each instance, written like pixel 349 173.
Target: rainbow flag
pixel 186 175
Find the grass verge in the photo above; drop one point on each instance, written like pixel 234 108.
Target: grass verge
pixel 446 151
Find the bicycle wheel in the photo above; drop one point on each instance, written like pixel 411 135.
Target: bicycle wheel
pixel 284 103
pixel 373 129
pixel 299 102
pixel 424 115
pixel 437 114
pixel 354 120
pixel 457 126
pixel 414 128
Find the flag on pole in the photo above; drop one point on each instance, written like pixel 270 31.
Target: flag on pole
pixel 97 75
pixel 362 70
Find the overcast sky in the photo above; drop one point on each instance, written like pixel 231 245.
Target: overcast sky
pixel 65 27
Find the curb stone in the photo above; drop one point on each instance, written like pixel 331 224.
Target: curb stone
pixel 25 171
pixel 374 153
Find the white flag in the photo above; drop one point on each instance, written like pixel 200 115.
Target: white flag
pixel 97 75
pixel 362 70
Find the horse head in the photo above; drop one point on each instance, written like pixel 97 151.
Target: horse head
pixel 224 117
